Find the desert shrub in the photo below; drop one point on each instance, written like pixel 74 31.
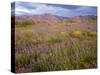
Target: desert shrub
pixel 21 60
pixel 60 55
pixel 58 37
pixel 25 40
pixel 91 21
pixel 74 56
pixel 88 39
pixel 53 39
pixel 24 23
pixel 92 33
pixel 87 58
pixel 71 21
pixel 50 61
pixel 37 39
pixel 80 56
pixel 76 33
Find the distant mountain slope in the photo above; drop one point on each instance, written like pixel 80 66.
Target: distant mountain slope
pixel 62 18
pixel 47 18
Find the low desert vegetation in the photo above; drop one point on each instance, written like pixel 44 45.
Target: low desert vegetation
pixel 51 49
pixel 71 21
pixel 76 33
pixel 24 23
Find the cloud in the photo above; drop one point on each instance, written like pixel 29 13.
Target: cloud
pixel 87 10
pixel 29 8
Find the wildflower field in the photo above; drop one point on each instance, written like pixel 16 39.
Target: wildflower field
pixel 62 45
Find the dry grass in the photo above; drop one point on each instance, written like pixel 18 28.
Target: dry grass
pixel 53 50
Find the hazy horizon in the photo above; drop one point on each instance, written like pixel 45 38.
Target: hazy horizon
pixel 30 8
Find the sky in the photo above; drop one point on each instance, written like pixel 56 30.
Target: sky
pixel 29 8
